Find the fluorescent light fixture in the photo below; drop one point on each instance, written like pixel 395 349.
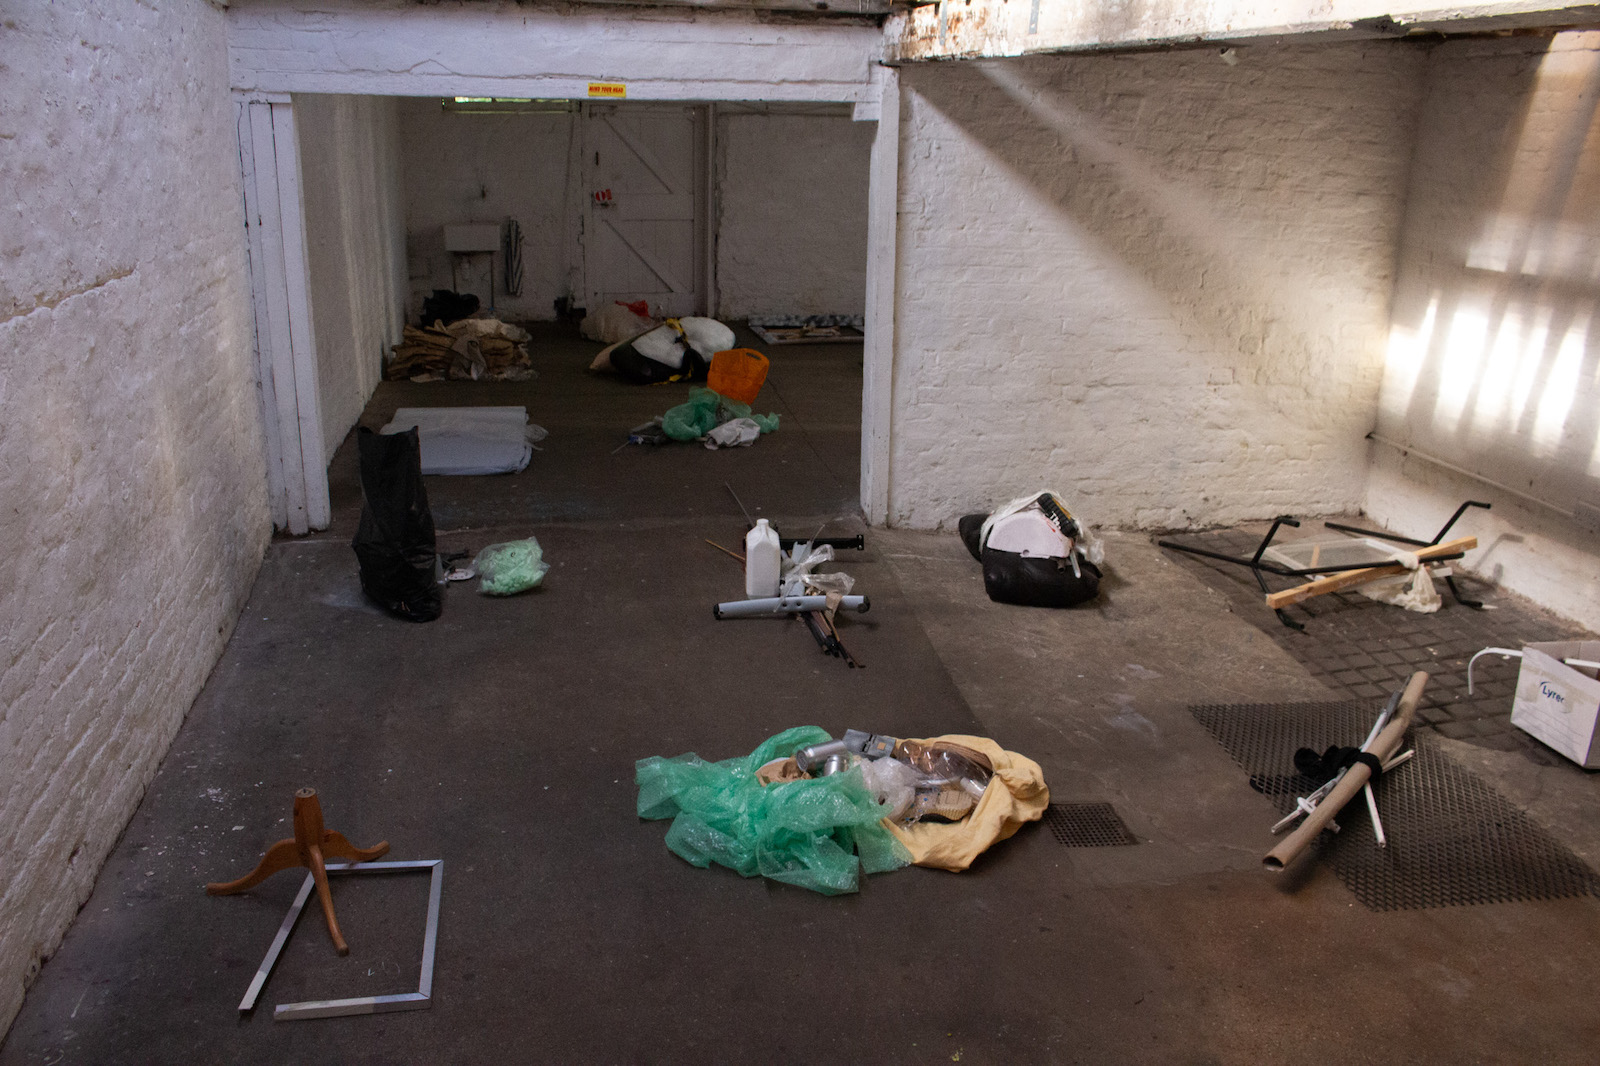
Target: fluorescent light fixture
pixel 506 105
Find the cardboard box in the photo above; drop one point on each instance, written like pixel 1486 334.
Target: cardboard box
pixel 1557 703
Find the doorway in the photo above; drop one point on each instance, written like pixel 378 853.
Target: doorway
pixel 648 196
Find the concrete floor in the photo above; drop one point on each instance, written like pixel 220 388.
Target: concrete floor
pixel 502 738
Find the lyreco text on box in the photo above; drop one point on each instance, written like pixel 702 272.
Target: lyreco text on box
pixel 1557 703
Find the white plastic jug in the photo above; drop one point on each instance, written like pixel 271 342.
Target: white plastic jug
pixel 762 561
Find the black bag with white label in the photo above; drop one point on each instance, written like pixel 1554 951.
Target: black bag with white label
pixel 1026 580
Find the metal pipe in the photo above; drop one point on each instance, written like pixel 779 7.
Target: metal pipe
pixel 1436 461
pixel 780 605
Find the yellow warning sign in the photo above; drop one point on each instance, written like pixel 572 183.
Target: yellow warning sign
pixel 611 90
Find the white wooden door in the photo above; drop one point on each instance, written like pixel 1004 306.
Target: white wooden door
pixel 644 239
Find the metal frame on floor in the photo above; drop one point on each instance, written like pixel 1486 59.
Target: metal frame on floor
pixel 421 999
pixel 1257 567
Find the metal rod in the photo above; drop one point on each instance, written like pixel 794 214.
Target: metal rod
pixel 1459 512
pixel 735 495
pixel 1507 652
pixel 1403 757
pixel 295 910
pixel 1281 520
pixel 858 542
pixel 1436 461
pixel 1341 527
pixel 1372 812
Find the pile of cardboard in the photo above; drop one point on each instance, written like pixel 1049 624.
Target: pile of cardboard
pixel 473 349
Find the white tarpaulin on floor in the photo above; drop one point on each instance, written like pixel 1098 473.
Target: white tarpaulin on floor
pixel 470 440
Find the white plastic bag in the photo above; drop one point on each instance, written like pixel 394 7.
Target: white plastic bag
pixel 1414 591
pixel 734 433
pixel 799 572
pixel 706 335
pixel 613 322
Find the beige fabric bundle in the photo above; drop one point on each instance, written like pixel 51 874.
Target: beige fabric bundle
pixel 1016 794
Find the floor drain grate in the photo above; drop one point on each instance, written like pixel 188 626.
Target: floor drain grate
pixel 1087 825
pixel 1453 840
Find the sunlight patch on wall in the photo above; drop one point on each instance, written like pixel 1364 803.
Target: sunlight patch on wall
pixel 1556 401
pixel 1408 351
pixel 1508 375
pixel 1501 372
pixel 1461 358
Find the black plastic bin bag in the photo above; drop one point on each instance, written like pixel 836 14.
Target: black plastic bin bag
pixel 395 540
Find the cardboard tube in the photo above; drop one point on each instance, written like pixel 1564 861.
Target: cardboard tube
pixel 1383 746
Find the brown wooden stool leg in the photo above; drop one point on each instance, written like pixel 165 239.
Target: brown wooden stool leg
pixel 284 855
pixel 307 848
pixel 335 846
pixel 320 874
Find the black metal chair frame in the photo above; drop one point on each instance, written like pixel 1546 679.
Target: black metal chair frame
pixel 1258 568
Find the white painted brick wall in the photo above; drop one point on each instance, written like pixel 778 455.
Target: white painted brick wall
pixel 130 439
pixel 1156 282
pixel 1492 359
pixel 355 240
pixel 487 168
pixel 792 212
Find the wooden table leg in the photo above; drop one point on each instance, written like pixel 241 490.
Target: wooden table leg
pixel 311 841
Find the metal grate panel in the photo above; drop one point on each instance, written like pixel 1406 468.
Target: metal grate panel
pixel 1087 825
pixel 1453 840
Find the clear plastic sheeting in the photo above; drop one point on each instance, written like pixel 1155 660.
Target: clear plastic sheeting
pixel 817 833
pixel 800 576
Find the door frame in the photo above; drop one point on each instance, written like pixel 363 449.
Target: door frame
pixel 703 257
pixel 426 51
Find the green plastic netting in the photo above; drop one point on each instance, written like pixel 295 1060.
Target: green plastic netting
pixel 706 410
pixel 818 833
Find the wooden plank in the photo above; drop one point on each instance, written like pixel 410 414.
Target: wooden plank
pixel 302 334
pixel 1345 579
pixel 261 333
pixel 274 330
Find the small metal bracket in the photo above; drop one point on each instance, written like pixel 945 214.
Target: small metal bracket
pixel 333 1008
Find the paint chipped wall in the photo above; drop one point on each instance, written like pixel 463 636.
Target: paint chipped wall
pixel 130 435
pixel 1158 283
pixel 791 211
pixel 351 167
pixel 1492 362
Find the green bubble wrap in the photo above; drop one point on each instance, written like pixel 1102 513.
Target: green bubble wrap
pixel 705 411
pixel 818 833
pixel 509 568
